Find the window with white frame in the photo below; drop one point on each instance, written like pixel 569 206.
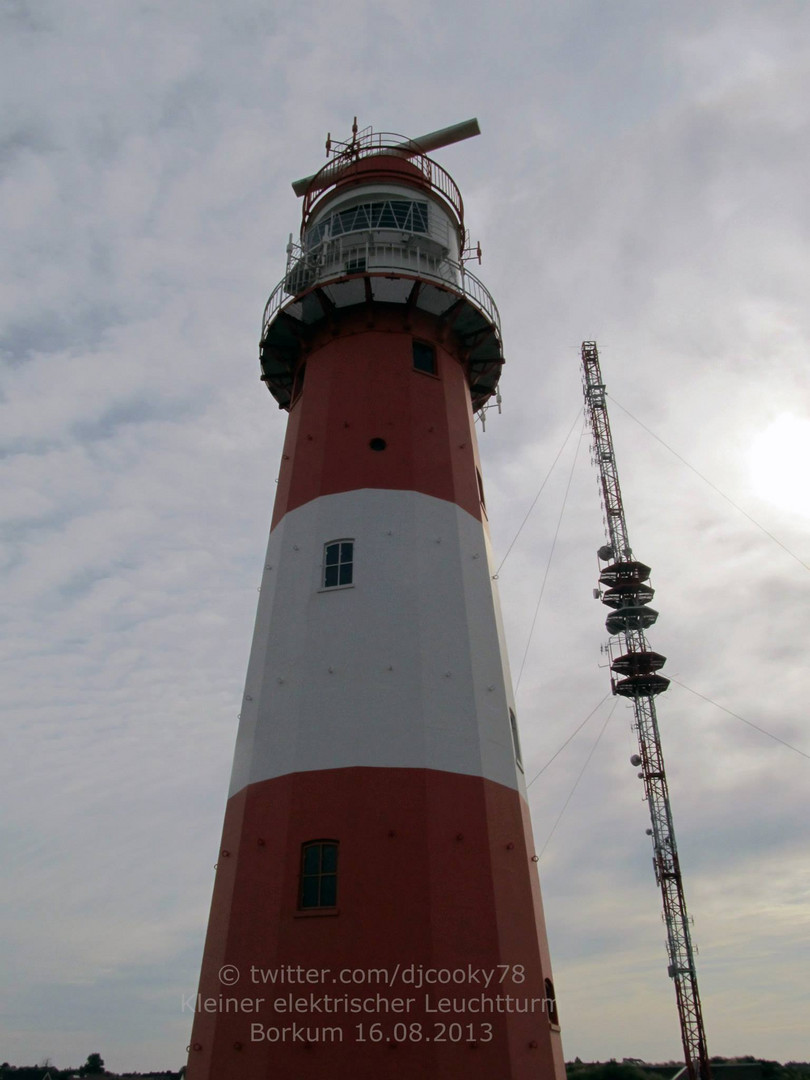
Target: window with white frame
pixel 338 564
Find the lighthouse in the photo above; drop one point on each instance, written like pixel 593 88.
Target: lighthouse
pixel 376 911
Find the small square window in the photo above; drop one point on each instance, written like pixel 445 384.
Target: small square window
pixel 550 1004
pixel 424 357
pixel 515 739
pixel 481 488
pixel 298 381
pixel 338 563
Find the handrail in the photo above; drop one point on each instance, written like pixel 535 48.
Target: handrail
pixel 378 145
pixel 467 285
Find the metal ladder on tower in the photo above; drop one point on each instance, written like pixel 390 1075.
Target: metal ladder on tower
pixel 628 595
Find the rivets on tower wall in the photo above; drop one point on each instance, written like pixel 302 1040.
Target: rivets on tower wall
pixel 391 832
pixel 448 674
pixel 346 423
pixel 268 567
pixel 459 836
pixel 476 556
pixel 279 680
pixel 285 457
pixel 533 1045
pixel 535 858
pixel 510 846
pixel 462 446
pixel 310 438
pixel 237 1046
pixel 390 667
pixel 224 853
pixel 296 547
pixel 331 670
pixel 248 697
pixel 491 687
pixel 473 1045
pixel 260 842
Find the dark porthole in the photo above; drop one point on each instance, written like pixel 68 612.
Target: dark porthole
pixel 378 444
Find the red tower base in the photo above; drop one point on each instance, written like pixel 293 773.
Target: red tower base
pixel 433 868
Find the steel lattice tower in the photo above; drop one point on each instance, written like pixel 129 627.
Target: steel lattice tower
pixel 628 594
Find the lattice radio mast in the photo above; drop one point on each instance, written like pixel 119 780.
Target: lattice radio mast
pixel 628 594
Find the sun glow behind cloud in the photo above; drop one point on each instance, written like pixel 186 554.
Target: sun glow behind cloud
pixel 780 463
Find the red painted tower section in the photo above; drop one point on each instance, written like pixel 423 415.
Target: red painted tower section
pixel 376 911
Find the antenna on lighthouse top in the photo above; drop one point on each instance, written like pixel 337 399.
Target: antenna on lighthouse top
pixel 405 147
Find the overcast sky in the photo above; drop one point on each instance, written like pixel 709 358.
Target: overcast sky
pixel 641 180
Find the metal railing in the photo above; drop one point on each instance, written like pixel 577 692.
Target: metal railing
pixel 366 249
pixel 380 144
pixel 333 261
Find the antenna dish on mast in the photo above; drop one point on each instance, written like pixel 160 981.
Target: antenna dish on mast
pixel 628 594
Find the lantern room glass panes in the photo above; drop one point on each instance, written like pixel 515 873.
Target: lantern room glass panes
pixel 318 874
pixel 404 215
pixel 338 563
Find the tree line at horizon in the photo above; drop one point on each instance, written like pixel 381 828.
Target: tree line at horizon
pixel 627 1069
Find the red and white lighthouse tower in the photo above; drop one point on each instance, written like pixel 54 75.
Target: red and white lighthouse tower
pixel 377 912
